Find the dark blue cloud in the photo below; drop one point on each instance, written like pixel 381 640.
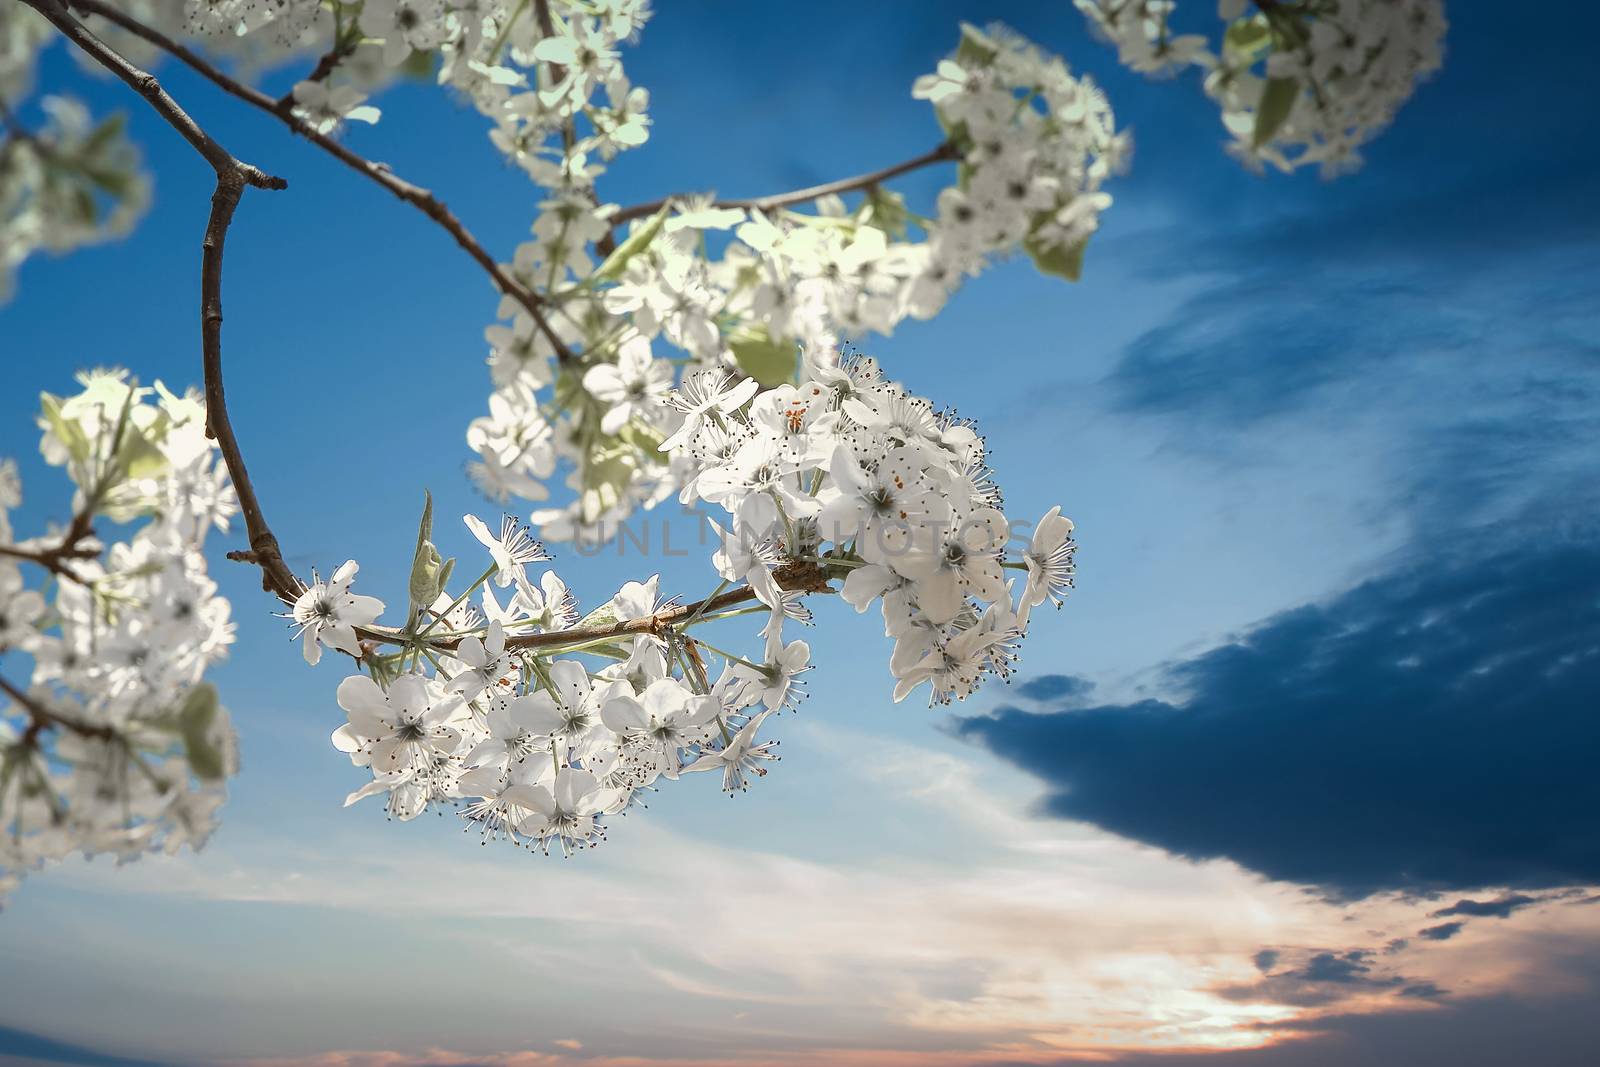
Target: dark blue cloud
pixel 1055 687
pixel 1433 728
pixel 1442 932
pixel 1499 909
pixel 36 1047
pixel 1322 977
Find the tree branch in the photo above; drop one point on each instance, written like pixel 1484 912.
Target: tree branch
pixel 415 195
pixel 146 85
pixel 340 48
pixel 42 717
pixel 796 576
pixel 945 151
pixel 232 177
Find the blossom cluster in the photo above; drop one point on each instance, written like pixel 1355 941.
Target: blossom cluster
pixel 512 709
pixel 853 473
pixel 1034 145
pixel 110 739
pixel 539 724
pixel 1300 83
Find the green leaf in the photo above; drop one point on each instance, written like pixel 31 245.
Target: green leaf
pixel 604 615
pixel 418 66
pixel 425 525
pixel 196 718
pixel 641 437
pixel 606 476
pixel 1248 36
pixel 767 361
pixel 1277 101
pixel 632 245
pixel 83 202
pixel 429 572
pixel 426 582
pixel 568 390
pixel 975 49
pixel 137 457
pixel 1063 261
pixel 67 431
pixel 885 209
pixel 107 131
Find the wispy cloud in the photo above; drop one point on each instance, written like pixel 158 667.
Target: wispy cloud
pixel 1065 941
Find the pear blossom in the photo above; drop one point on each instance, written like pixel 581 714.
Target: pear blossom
pixel 328 614
pixel 740 757
pixel 1049 560
pixel 632 387
pixel 514 549
pixel 326 108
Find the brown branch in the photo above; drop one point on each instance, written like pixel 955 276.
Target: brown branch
pixel 945 151
pixel 415 195
pixel 325 66
pixel 42 718
pixel 71 546
pixel 799 576
pixel 276 577
pixel 232 177
pixel 146 85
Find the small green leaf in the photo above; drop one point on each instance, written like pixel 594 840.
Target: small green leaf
pixel 976 49
pixel 767 361
pixel 1277 101
pixel 107 131
pixel 606 476
pixel 1063 261
pixel 568 390
pixel 885 209
pixel 196 718
pixel 418 66
pixel 1248 36
pixel 426 581
pixel 641 437
pixel 67 431
pixel 136 457
pixel 604 615
pixel 632 245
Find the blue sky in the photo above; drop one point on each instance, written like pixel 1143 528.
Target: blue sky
pixel 1328 673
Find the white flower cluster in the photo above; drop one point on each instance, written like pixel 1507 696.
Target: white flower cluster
pixel 112 741
pixel 1035 146
pixel 539 725
pixel 851 473
pixel 506 712
pixel 1299 83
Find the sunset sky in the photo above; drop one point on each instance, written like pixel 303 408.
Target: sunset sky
pixel 1303 775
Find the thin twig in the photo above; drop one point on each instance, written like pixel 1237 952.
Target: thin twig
pixel 146 85
pixel 945 151
pixel 232 177
pixel 415 195
pixel 325 66
pixel 42 717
